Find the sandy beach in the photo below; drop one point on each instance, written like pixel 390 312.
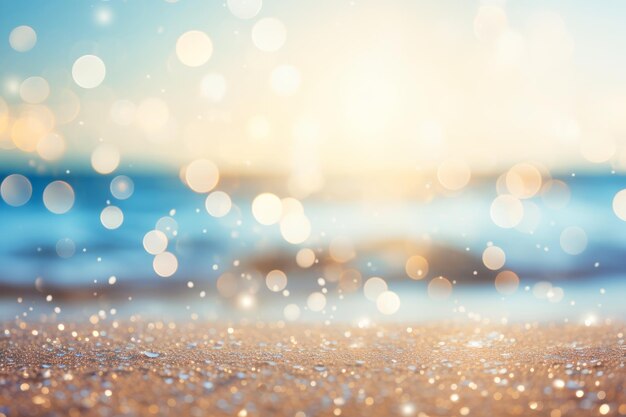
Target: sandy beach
pixel 200 369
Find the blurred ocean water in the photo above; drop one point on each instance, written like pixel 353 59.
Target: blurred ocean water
pixel 455 229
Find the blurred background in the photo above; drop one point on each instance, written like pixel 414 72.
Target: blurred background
pixel 325 161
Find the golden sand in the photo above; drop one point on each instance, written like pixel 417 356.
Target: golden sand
pixel 205 369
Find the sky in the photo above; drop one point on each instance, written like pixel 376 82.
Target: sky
pixel 314 89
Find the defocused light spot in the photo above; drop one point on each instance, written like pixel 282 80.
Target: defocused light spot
pixel 316 301
pixel 507 282
pixel 453 174
pixel 165 264
pixel 269 34
pixel 218 204
pixel 295 228
pixel 16 190
pixel 439 288
pixel 28 130
pixel 407 409
pixel 123 112
pixel 388 302
pixel 267 208
pixel 194 48
pixel 227 285
pixel 244 9
pixel 246 302
pixel 213 87
pixel 541 289
pixel 34 90
pixel 155 242
pixel 523 180
pixel 291 206
pixel 111 217
pixel 573 240
pixel 103 15
pixel 291 312
pixel 350 280
pixel 619 204
pixel 555 294
pixel 23 38
pixel 598 148
pixel 58 197
pixel 285 80
pixel 276 280
pixel 305 258
pixel 416 267
pixel 341 249
pixel 65 248
pixel 51 147
pixel 105 158
pixel 506 211
pixel 494 258
pixel 122 187
pixel 167 225
pixel 555 194
pixel 374 287
pixel 201 175
pixel 88 71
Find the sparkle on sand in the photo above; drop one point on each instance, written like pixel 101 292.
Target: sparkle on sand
pixel 201 369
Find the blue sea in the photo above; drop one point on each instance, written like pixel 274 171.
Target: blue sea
pixel 457 229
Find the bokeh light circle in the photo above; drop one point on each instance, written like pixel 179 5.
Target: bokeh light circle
pixel 506 211
pixel 619 204
pixel 88 71
pixel 269 34
pixel 105 158
pixel 316 301
pixel 218 204
pixel 244 9
pixel 388 302
pixel 295 228
pixel 573 240
pixel 202 175
pixel 111 217
pixel 556 194
pixel 122 187
pixel 34 90
pixel 58 197
pixel 165 264
pixel 454 174
pixel 305 258
pixel 16 190
pixel 416 267
pixel 373 287
pixel 65 248
pixel 267 208
pixel 506 282
pixel 23 38
pixel 194 48
pixel 439 288
pixel 523 180
pixel 51 147
pixel 276 280
pixel 494 258
pixel 155 242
